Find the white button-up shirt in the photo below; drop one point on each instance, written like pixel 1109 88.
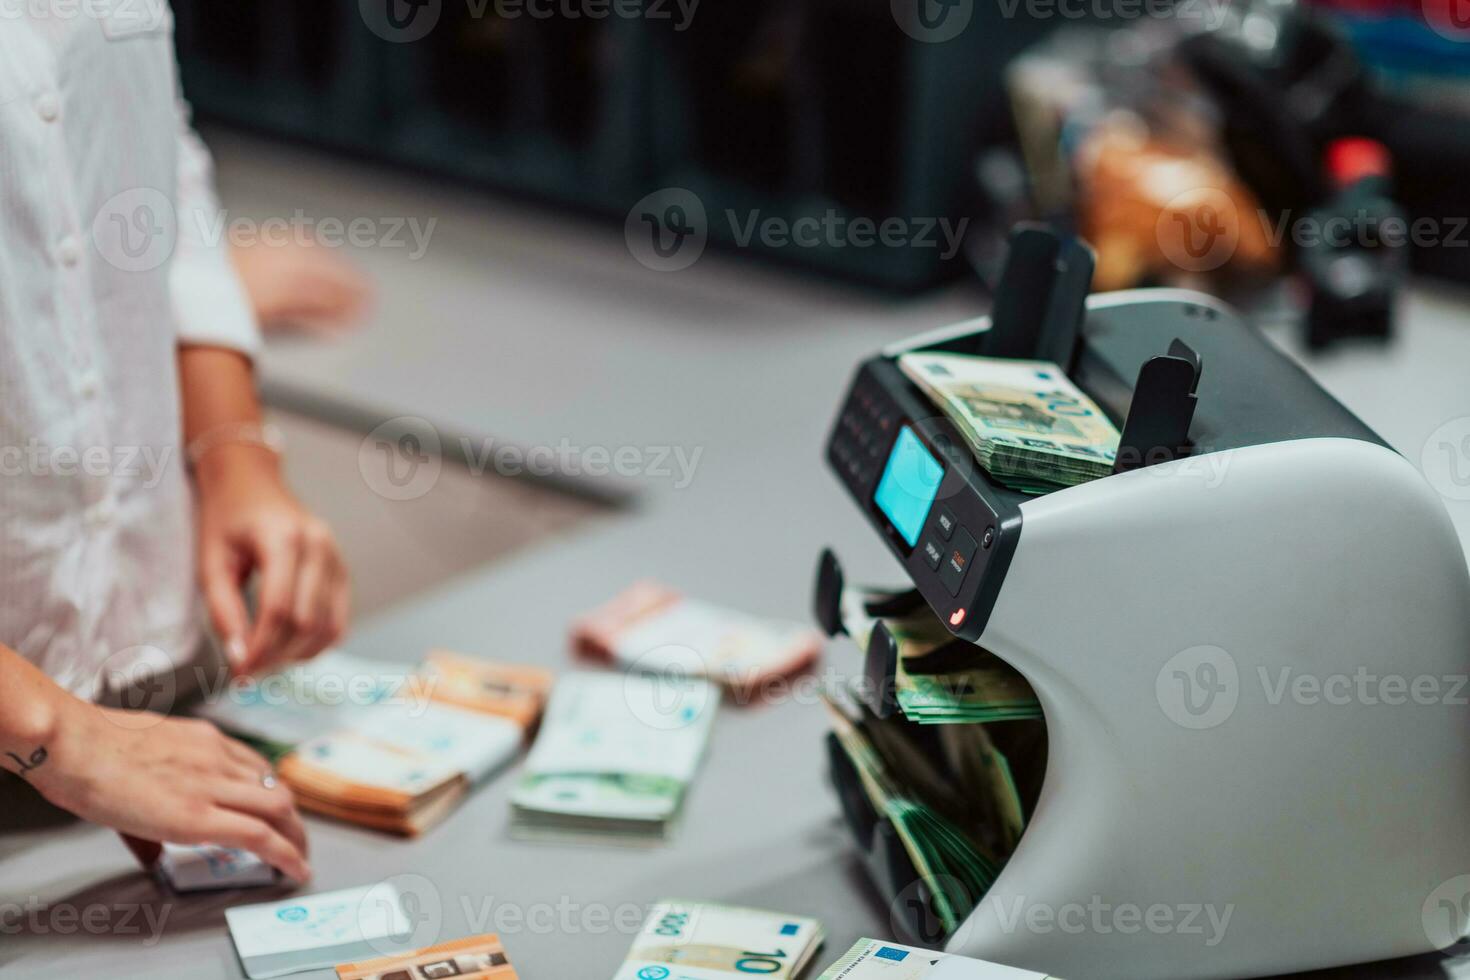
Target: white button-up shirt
pixel 107 264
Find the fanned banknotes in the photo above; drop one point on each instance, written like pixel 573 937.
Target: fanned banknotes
pixel 705 941
pixel 471 958
pixel 874 959
pixel 944 854
pixel 384 745
pixel 513 691
pixel 614 758
pixel 1028 425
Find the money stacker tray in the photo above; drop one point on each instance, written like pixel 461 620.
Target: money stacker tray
pixel 1187 623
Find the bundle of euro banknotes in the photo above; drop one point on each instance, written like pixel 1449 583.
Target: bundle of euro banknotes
pixel 382 745
pixel 873 959
pixel 702 941
pixel 1028 425
pixel 471 958
pixel 684 940
pixel 652 627
pixel 614 758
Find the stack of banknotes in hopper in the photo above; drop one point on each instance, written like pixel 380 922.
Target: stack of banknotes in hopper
pixel 1028 425
pixel 873 959
pixel 652 627
pixel 958 770
pixel 703 941
pixel 940 680
pixel 382 745
pixel 614 758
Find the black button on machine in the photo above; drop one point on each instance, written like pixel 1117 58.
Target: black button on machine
pixel 944 520
pixel 957 561
pixel 933 553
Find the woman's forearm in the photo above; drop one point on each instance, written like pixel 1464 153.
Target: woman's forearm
pixel 32 707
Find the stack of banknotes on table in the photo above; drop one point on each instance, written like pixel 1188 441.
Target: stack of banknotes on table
pixel 652 627
pixel 471 958
pixel 614 758
pixel 207 867
pixel 702 941
pixel 958 771
pixel 1028 425
pixel 940 680
pixel 382 745
pixel 872 959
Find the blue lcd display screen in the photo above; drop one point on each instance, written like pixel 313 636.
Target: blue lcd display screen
pixel 909 484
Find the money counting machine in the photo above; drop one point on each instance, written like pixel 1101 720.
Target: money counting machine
pixel 1253 533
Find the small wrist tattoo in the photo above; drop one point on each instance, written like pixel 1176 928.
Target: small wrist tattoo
pixel 37 759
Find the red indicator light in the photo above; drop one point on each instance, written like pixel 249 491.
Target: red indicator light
pixel 957 617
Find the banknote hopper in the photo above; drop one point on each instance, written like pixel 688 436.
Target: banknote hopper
pixel 1224 637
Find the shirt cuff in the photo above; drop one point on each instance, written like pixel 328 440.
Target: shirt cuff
pixel 211 308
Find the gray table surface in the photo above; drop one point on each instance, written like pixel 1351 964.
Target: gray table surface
pixel 522 328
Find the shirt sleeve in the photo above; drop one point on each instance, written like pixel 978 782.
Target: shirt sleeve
pixel 209 300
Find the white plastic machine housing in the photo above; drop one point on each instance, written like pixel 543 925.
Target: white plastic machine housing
pixel 1252 666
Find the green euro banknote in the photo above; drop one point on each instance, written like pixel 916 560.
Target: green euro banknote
pixel 1028 425
pixel 874 959
pixel 990 691
pixel 705 941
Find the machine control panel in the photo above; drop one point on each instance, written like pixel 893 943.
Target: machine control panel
pixel 917 481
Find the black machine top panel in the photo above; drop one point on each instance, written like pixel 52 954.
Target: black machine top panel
pixel 1249 392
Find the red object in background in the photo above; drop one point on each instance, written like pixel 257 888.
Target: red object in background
pixel 1352 158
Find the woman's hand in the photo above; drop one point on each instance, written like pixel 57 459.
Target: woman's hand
pixel 250 524
pixel 302 285
pixel 166 779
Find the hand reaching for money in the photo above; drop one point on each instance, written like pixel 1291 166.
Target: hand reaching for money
pixel 175 780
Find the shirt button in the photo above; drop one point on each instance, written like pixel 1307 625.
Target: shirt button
pixel 89 384
pixel 48 107
pixel 102 513
pixel 69 252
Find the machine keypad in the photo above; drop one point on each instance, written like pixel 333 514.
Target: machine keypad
pixel 861 438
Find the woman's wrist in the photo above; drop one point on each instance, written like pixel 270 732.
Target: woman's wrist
pixel 69 738
pixel 232 462
pixel 30 732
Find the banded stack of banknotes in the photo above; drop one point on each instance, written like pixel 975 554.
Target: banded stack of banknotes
pixel 703 941
pixel 614 758
pixel 1028 425
pixel 873 959
pixel 959 786
pixel 471 958
pixel 382 745
pixel 653 628
pixel 679 940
